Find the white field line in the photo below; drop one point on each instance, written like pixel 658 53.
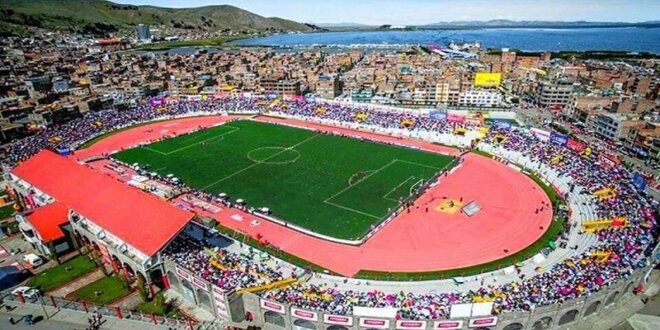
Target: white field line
pixel 327 201
pixel 265 159
pixel 352 210
pixel 363 179
pixel 154 150
pixel 418 164
pixel 196 143
pixel 397 187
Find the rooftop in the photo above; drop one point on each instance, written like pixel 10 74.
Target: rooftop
pixel 47 220
pixel 141 220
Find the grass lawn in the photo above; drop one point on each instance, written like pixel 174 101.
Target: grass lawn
pixel 159 307
pixel 332 185
pixel 59 275
pixel 111 287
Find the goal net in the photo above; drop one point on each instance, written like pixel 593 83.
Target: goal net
pixel 416 187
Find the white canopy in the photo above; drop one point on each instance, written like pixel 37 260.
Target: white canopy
pixel 509 270
pixel 460 310
pixel 538 258
pixel 482 309
pixel 385 312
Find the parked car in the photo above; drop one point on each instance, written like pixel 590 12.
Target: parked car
pixel 27 292
pixel 33 260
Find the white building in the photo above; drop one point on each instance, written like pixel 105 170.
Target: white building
pixel 480 97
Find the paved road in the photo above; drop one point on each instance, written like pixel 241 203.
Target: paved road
pixel 39 323
pixel 65 319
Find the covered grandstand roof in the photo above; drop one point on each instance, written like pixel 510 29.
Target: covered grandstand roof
pixel 47 220
pixel 143 221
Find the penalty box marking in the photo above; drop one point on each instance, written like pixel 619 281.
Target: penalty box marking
pixel 395 189
pixel 328 200
pixel 234 129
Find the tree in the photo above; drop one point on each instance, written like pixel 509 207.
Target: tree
pixel 144 293
pixel 74 240
pixel 53 252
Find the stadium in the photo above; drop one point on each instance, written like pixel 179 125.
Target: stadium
pixel 287 213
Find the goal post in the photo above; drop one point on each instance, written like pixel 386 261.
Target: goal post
pixel 414 188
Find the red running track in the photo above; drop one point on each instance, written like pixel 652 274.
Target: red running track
pixel 413 242
pixel 149 132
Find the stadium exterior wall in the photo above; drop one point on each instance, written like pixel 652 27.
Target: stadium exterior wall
pixel 277 316
pixel 561 316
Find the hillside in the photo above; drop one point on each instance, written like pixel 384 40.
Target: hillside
pixel 101 16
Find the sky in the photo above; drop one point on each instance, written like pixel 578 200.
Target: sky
pixel 418 12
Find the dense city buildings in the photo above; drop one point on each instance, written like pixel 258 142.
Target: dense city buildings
pixel 50 79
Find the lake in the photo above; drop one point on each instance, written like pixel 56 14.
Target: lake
pixel 621 39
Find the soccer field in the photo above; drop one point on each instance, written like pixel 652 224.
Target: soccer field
pixel 335 186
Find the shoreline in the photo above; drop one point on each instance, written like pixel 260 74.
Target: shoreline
pixel 551 39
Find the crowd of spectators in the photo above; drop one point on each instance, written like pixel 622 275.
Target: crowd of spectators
pixel 572 278
pixel 92 124
pixel 578 276
pixel 227 270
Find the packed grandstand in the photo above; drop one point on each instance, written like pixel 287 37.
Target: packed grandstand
pixel 579 275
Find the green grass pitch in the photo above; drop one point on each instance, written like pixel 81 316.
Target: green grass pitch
pixel 335 186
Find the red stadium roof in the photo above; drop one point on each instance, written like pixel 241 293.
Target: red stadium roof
pixel 47 220
pixel 143 221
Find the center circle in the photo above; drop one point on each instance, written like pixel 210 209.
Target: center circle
pixel 273 155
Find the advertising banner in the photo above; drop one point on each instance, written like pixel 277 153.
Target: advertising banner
pixel 454 118
pixel 303 314
pixel 575 145
pixel 157 101
pixel 438 115
pixel 502 124
pixel 608 160
pixel 540 134
pixel 374 323
pixel 200 284
pixel 483 322
pixel 448 325
pixel 183 273
pixel 272 306
pixel 337 319
pixel 558 138
pixel 639 181
pixel 220 303
pixel 401 324
pixel 487 79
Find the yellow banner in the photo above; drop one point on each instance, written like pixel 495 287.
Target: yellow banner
pixel 488 79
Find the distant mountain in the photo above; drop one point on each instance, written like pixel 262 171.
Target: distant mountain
pixel 102 16
pixel 344 24
pixel 538 24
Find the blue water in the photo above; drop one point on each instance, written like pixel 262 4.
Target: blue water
pixel 623 39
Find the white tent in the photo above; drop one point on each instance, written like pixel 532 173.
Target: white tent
pixel 538 258
pixel 385 312
pixel 482 309
pixel 460 310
